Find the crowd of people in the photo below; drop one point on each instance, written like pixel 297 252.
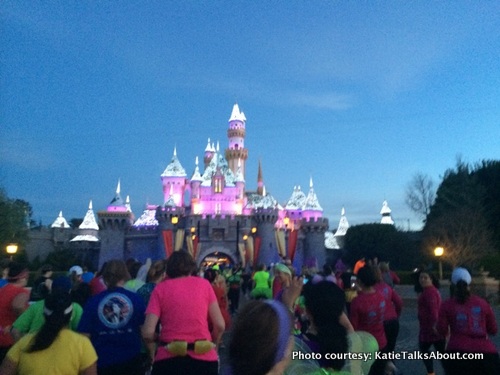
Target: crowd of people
pixel 169 317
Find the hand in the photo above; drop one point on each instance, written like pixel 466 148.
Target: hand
pixel 291 293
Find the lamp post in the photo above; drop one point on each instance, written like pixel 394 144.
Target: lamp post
pixel 11 249
pixel 438 252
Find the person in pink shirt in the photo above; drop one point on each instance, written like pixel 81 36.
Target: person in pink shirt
pixel 97 284
pixel 394 305
pixel 182 304
pixel 469 320
pixel 429 302
pixel 368 311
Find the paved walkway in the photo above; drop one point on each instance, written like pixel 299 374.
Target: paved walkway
pixel 408 334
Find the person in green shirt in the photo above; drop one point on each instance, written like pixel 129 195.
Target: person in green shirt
pixel 33 318
pixel 261 280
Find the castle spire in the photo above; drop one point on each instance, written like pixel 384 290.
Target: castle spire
pixel 260 180
pixel 118 187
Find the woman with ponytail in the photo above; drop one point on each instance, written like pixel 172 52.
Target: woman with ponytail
pixel 35 353
pixel 468 319
pixel 329 334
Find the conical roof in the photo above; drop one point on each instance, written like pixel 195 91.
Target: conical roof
pixel 297 199
pixel 312 202
pixel 89 221
pixel 117 200
pixel 174 169
pixel 385 208
pixel 147 219
pixel 196 174
pixel 60 222
pixel 343 224
pixel 236 115
pixel 218 164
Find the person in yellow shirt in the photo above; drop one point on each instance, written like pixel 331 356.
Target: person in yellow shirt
pixel 39 353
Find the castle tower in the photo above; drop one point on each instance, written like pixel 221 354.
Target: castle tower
pixel 312 209
pixel 114 223
pixel 209 153
pixel 174 181
pixel 386 214
pixel 61 230
pixel 314 252
pixel 195 189
pixel 266 218
pixel 87 243
pixel 236 137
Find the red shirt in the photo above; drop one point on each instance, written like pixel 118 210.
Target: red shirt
pixel 368 314
pixel 394 303
pixel 7 315
pixel 220 294
pixel 469 325
pixel 429 303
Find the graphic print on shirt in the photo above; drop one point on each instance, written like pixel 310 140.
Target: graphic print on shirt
pixel 476 320
pixel 115 310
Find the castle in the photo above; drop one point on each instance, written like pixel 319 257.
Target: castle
pixel 211 214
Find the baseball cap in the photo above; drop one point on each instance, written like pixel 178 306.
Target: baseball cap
pixel 461 274
pixel 76 269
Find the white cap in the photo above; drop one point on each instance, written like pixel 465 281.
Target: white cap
pixel 76 269
pixel 461 274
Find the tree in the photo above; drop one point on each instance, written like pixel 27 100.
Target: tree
pixel 463 233
pixel 420 194
pixel 15 214
pixel 463 218
pixel 383 241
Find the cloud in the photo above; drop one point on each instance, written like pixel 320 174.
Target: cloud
pixel 27 154
pixel 332 101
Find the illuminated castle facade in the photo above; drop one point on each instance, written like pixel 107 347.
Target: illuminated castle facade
pixel 211 214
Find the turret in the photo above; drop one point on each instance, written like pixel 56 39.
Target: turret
pixel 174 181
pixel 117 204
pixel 209 153
pixel 236 137
pixel 195 183
pixel 386 214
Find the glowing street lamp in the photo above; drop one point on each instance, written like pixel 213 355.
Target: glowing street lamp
pixel 11 249
pixel 439 252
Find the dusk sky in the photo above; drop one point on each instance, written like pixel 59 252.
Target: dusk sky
pixel 360 95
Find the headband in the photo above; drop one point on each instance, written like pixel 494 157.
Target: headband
pixel 284 328
pixel 319 278
pixel 49 312
pixel 24 274
pixel 283 268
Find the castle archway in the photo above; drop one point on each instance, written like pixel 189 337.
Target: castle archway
pixel 216 255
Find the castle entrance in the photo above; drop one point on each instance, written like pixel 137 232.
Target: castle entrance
pixel 218 258
pixel 216 255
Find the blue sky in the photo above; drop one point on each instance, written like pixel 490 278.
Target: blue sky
pixel 359 95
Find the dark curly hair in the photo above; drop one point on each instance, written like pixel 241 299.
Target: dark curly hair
pixel 179 264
